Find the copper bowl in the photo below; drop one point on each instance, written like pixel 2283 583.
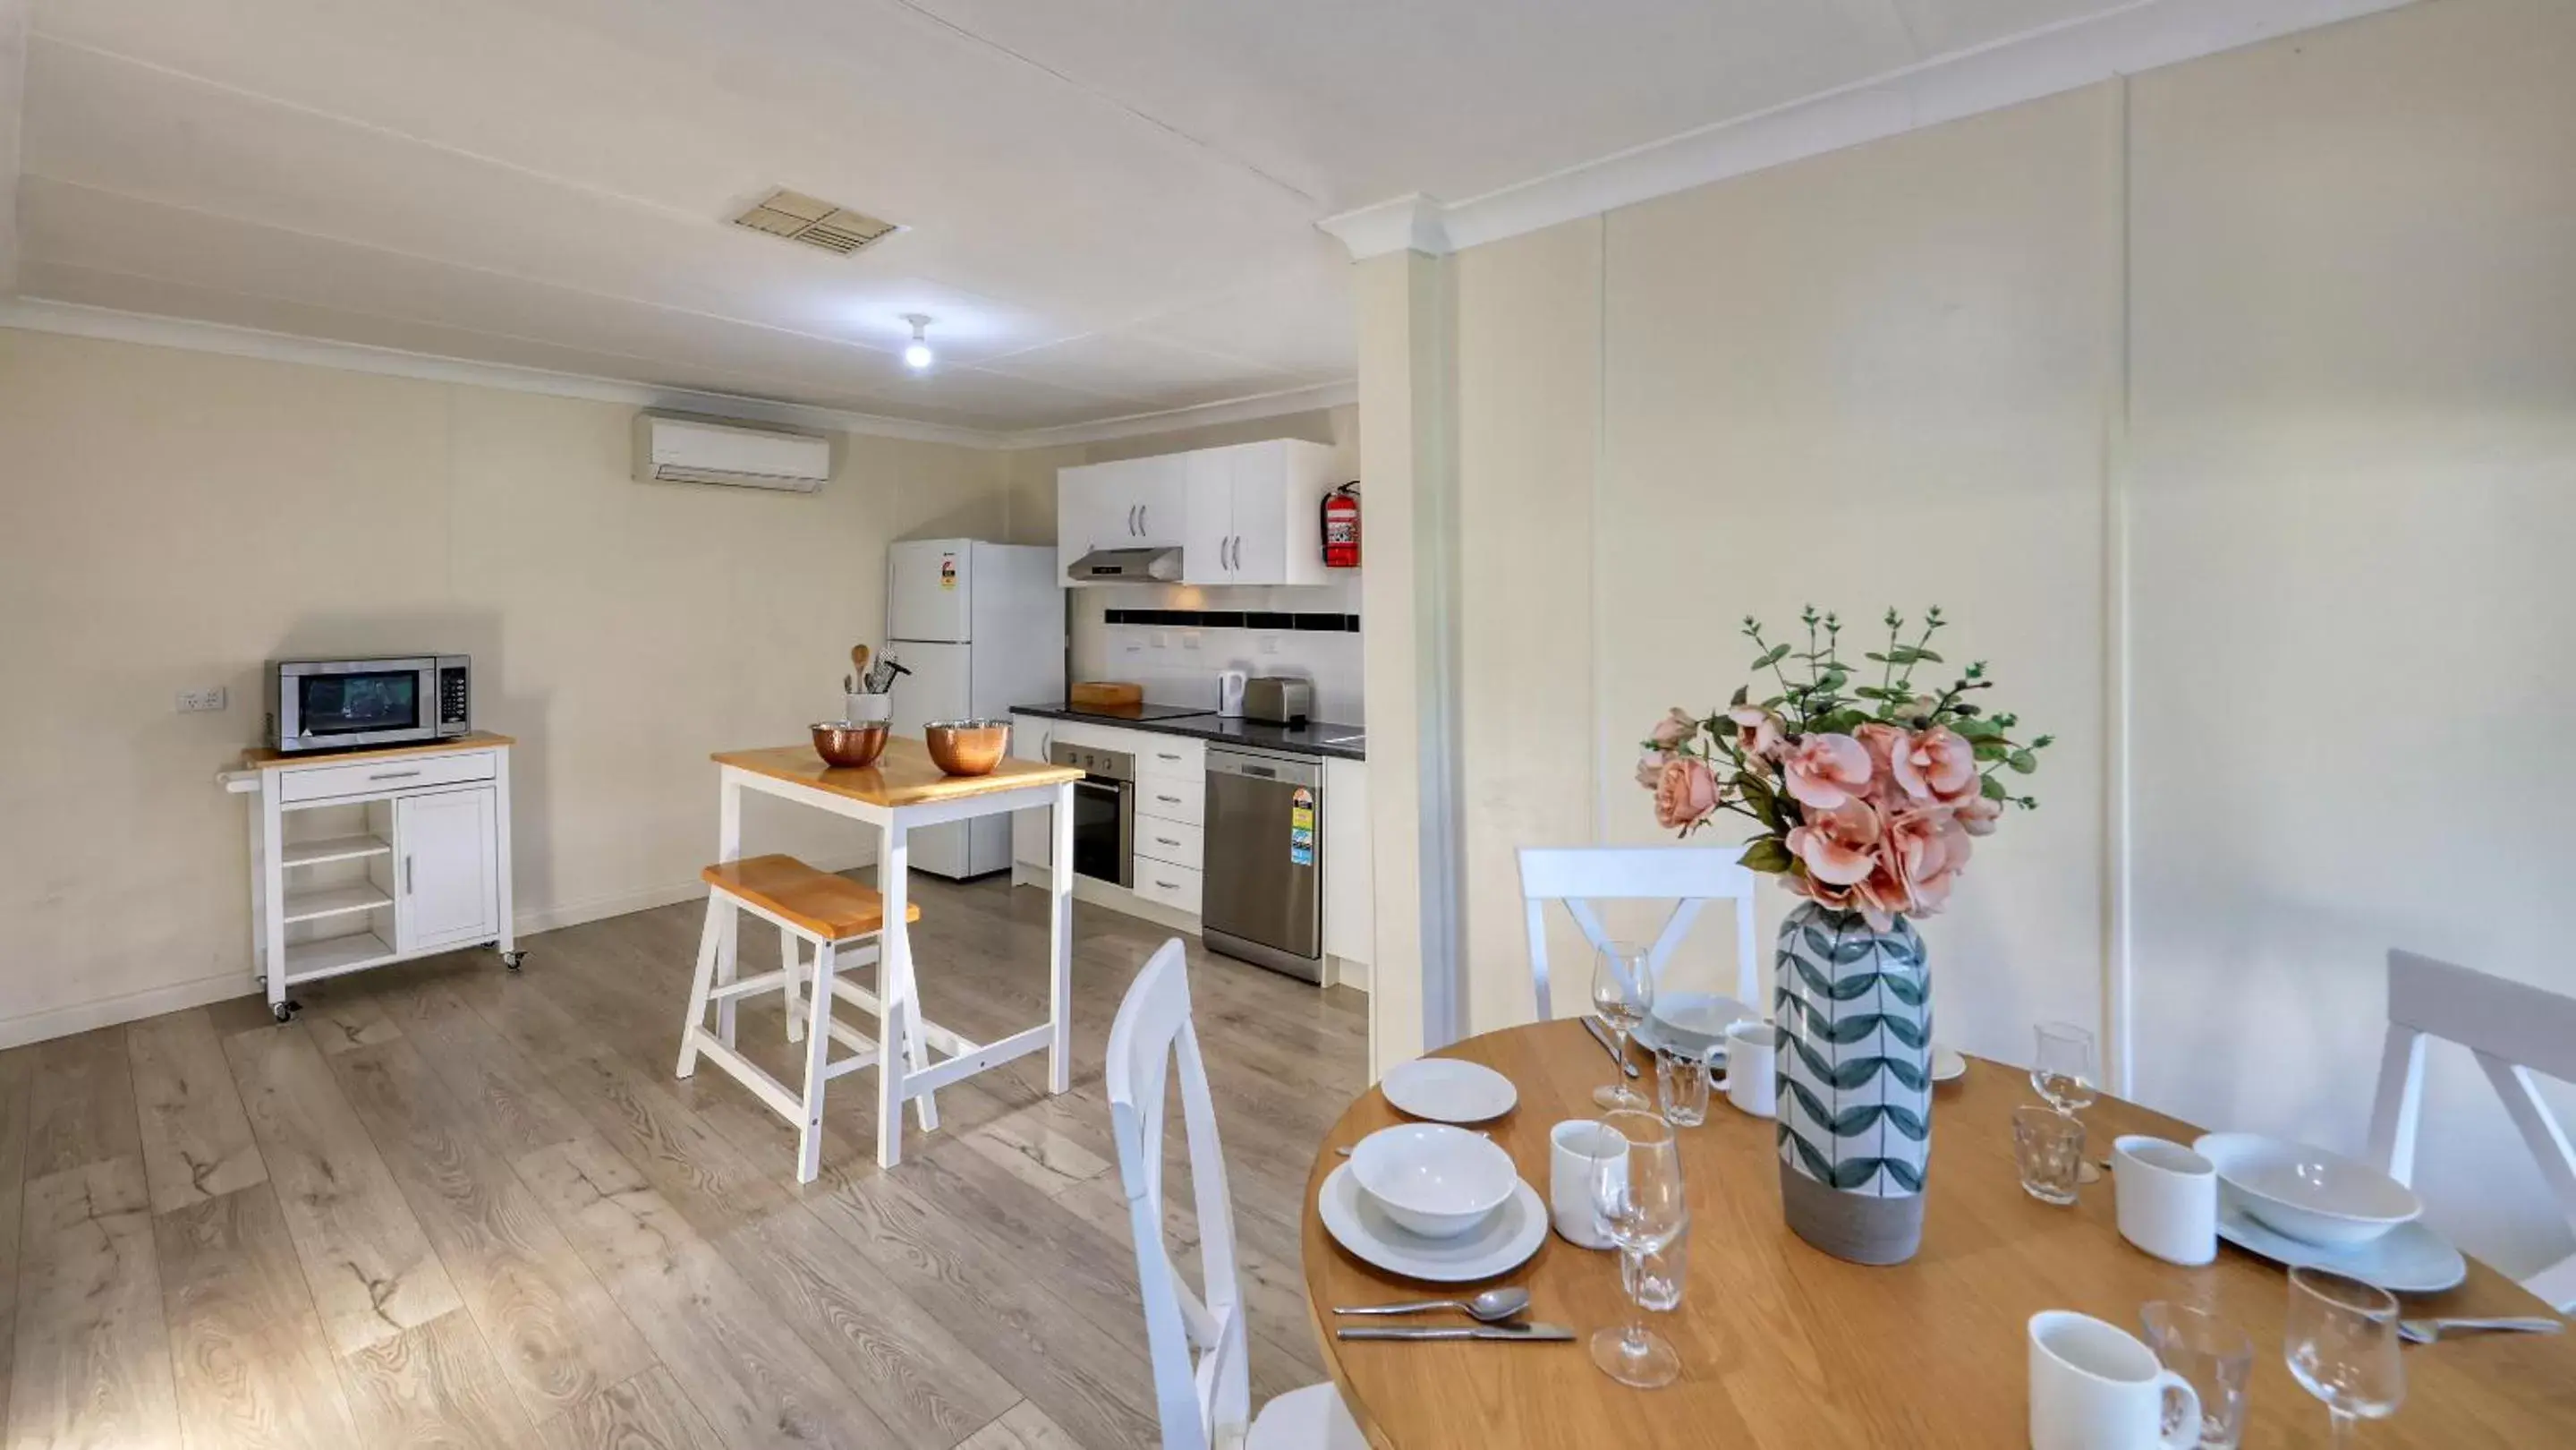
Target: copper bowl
pixel 967 747
pixel 849 744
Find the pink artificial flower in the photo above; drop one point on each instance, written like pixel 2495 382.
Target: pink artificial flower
pixel 1650 767
pixel 1673 729
pixel 1839 898
pixel 1685 793
pixel 1977 815
pixel 1941 766
pixel 1825 771
pixel 1884 743
pixel 1757 731
pixel 1838 846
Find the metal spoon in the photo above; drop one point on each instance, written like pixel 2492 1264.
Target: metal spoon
pixel 1489 1307
pixel 2425 1331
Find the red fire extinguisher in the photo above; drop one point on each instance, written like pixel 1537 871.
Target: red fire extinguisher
pixel 1342 527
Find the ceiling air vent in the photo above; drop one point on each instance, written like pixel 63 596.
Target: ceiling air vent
pixel 816 223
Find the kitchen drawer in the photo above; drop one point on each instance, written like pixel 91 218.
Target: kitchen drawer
pixel 377 777
pixel 1182 799
pixel 1169 755
pixel 1167 885
pixel 1169 842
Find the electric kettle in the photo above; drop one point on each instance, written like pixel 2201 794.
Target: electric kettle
pixel 1229 693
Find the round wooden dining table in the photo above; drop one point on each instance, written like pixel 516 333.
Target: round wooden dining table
pixel 1782 1345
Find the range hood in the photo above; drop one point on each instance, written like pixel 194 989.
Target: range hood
pixel 1127 566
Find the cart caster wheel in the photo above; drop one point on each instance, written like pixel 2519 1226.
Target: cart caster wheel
pixel 512 960
pixel 285 1010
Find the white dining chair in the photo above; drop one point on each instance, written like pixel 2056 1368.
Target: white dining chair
pixel 1688 876
pixel 2511 1029
pixel 1202 1384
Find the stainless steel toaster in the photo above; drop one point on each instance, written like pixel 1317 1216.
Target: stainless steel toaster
pixel 1278 700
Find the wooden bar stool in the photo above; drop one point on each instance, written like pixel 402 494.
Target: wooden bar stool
pixel 843 920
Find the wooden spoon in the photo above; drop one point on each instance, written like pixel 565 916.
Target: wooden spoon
pixel 859 660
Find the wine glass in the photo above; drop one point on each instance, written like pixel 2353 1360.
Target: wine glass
pixel 2064 1073
pixel 1637 1190
pixel 2341 1343
pixel 1623 991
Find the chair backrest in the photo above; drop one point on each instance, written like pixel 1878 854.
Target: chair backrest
pixel 2511 1028
pixel 1202 1384
pixel 1687 876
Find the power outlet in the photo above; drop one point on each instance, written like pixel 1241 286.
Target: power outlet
pixel 194 700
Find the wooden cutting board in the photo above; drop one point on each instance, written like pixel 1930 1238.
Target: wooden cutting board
pixel 1104 695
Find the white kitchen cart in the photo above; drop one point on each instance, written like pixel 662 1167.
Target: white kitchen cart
pixel 375 856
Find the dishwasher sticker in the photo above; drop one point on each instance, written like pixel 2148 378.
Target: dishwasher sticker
pixel 1301 855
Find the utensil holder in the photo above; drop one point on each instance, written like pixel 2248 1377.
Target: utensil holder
pixel 864 708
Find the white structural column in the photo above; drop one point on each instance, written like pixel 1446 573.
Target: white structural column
pixel 1409 593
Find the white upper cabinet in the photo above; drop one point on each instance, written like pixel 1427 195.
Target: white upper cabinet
pixel 1246 514
pixel 1132 504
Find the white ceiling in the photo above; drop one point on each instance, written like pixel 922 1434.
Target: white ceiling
pixel 1109 208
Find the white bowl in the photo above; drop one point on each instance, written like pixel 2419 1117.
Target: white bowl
pixel 1433 1179
pixel 1446 1090
pixel 2307 1193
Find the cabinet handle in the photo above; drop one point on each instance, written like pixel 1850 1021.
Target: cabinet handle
pixel 1169 800
pixel 1166 885
pixel 1166 755
pixel 1235 546
pixel 1144 519
pixel 1134 528
pixel 1167 841
pixel 406 875
pixel 393 775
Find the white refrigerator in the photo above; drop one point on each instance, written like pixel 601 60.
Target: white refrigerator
pixel 981 627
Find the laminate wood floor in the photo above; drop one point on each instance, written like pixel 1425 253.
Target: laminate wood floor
pixel 450 1206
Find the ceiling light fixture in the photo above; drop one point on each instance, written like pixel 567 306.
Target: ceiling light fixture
pixel 917 354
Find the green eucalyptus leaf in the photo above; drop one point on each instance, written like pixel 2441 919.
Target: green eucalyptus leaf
pixel 1992 789
pixel 2022 762
pixel 1767 855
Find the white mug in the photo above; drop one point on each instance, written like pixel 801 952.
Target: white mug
pixel 2168 1198
pixel 1752 1068
pixel 2095 1387
pixel 1575 1149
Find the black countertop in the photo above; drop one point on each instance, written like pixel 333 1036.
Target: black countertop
pixel 1316 737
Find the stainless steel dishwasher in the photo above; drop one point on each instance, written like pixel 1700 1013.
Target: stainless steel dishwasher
pixel 1263 895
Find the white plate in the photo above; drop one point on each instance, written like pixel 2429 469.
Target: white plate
pixel 2408 1259
pixel 1501 1244
pixel 1947 1064
pixel 1692 1022
pixel 1446 1090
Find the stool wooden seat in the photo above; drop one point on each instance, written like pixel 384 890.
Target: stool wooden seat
pixel 843 921
pixel 833 908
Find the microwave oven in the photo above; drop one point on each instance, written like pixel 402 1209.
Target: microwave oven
pixel 346 704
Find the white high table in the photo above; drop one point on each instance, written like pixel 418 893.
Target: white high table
pixel 902 791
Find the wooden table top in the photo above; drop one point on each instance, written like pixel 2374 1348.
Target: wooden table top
pixel 1782 1345
pixel 904 776
pixel 267 757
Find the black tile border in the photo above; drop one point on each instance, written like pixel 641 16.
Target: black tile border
pixel 1235 619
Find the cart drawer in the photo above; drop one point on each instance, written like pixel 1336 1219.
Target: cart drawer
pixel 377 777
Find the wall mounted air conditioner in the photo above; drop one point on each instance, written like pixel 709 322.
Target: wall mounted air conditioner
pixel 677 448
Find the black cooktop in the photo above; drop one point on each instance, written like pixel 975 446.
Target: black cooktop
pixel 1135 712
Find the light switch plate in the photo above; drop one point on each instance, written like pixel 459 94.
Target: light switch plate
pixel 194 700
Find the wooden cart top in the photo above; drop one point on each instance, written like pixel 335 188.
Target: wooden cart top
pixel 264 757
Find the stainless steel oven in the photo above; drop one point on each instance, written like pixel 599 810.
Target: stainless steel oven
pixel 346 704
pixel 1104 811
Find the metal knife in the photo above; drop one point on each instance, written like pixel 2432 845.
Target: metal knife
pixel 1548 1332
pixel 1601 1035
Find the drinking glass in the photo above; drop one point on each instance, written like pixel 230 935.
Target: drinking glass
pixel 1623 991
pixel 2063 1072
pixel 2215 1356
pixel 2341 1343
pixel 1638 1192
pixel 1681 1085
pixel 2048 1146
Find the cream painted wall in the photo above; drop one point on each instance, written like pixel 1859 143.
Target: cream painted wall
pixel 2230 412
pixel 2354 490
pixel 173 519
